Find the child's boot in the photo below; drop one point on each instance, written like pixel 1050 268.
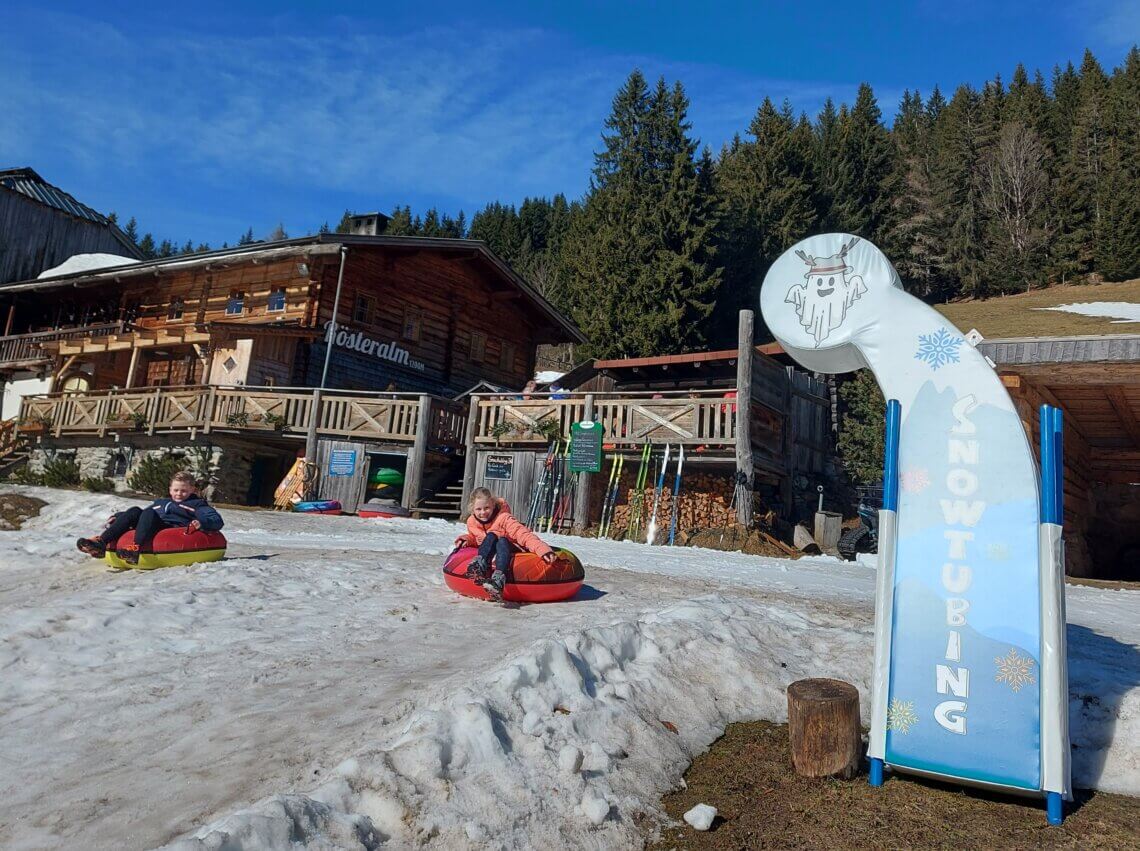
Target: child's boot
pixel 129 554
pixel 94 547
pixel 494 586
pixel 477 570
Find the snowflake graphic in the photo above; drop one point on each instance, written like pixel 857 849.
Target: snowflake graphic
pixel 914 480
pixel 939 348
pixel 900 716
pixel 1014 669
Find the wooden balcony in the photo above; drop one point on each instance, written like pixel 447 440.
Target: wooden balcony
pixel 20 350
pixel 698 417
pixel 379 417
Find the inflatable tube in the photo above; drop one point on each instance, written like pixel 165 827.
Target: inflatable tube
pixel 531 581
pixel 324 506
pixel 171 548
pixel 387 476
pixel 383 510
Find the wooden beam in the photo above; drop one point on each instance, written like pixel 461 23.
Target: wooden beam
pixel 1123 409
pixel 744 460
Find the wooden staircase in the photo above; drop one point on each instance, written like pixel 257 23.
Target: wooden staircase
pixel 14 448
pixel 444 503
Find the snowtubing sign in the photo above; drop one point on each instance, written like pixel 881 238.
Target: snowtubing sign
pixel 970 678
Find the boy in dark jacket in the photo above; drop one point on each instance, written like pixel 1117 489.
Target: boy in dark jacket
pixel 184 509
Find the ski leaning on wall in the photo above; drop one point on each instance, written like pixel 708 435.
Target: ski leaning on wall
pixel 676 494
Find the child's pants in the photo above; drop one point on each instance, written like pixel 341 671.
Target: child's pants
pixel 145 522
pixel 502 550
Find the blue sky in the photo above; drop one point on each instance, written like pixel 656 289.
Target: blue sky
pixel 207 119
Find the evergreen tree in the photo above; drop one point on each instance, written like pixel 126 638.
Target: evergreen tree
pixel 1079 189
pixel 246 238
pixel 958 217
pixel 277 234
pixel 345 223
pixel 826 161
pixel 640 276
pixel 1117 254
pixel 862 428
pixel 166 249
pixel 913 242
pixel 324 229
pixel 132 230
pixel 147 247
pixel 767 203
pixel 862 196
pixel 188 248
pixel 399 223
pixel 498 225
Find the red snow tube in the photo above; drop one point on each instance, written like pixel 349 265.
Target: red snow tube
pixel 171 547
pixel 532 580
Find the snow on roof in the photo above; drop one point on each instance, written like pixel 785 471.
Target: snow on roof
pixel 86 262
pixel 547 376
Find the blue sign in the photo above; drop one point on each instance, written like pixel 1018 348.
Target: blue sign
pixel 969 680
pixel 342 462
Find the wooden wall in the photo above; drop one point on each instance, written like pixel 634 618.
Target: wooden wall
pixel 1078 497
pixel 455 303
pixel 34 237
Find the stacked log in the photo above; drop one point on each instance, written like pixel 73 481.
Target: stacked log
pixel 704 503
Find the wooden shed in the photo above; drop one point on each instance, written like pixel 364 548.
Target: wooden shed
pixel 1078 360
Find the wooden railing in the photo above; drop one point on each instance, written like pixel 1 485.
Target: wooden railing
pixel 22 348
pixel 375 416
pixel 703 417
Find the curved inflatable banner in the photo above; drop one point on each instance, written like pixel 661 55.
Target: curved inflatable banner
pixel 969 681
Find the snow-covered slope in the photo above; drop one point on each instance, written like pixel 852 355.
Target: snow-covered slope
pixel 322 686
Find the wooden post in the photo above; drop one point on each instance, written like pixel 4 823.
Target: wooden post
pixel 470 458
pixel 131 369
pixel 11 314
pixel 310 473
pixel 744 462
pixel 823 726
pixel 582 495
pixel 414 473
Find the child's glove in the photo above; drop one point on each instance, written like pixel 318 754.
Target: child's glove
pixel 550 557
pixel 195 525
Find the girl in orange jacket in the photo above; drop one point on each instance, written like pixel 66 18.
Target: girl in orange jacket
pixel 494 530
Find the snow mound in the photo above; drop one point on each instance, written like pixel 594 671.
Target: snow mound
pixel 86 263
pixel 567 745
pixel 1117 311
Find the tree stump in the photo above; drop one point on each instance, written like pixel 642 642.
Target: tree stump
pixel 823 724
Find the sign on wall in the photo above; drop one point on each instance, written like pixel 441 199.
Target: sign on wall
pixel 969 652
pixel 342 462
pixel 358 341
pixel 500 467
pixel 585 447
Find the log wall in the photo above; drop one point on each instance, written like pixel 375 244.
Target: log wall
pixel 34 237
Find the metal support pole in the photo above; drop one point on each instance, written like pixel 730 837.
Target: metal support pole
pixel 310 475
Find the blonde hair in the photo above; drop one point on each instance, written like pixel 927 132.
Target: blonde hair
pixel 478 494
pixel 186 478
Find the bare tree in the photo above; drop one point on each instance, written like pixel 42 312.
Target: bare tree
pixel 1014 193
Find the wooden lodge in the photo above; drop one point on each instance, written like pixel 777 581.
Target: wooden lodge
pixel 224 349
pixel 734 411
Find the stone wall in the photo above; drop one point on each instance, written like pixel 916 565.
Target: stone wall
pixel 223 465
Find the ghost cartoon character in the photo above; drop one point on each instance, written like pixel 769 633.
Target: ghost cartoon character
pixel 830 287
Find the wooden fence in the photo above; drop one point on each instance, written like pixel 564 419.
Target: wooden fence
pixel 384 417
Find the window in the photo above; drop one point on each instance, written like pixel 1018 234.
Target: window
pixel 478 345
pixel 235 306
pixel 413 323
pixel 277 300
pixel 363 310
pixel 175 311
pixel 507 356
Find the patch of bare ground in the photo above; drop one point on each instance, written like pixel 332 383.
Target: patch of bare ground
pixel 16 508
pixel 762 803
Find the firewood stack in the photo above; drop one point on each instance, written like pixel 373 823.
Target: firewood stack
pixel 703 504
